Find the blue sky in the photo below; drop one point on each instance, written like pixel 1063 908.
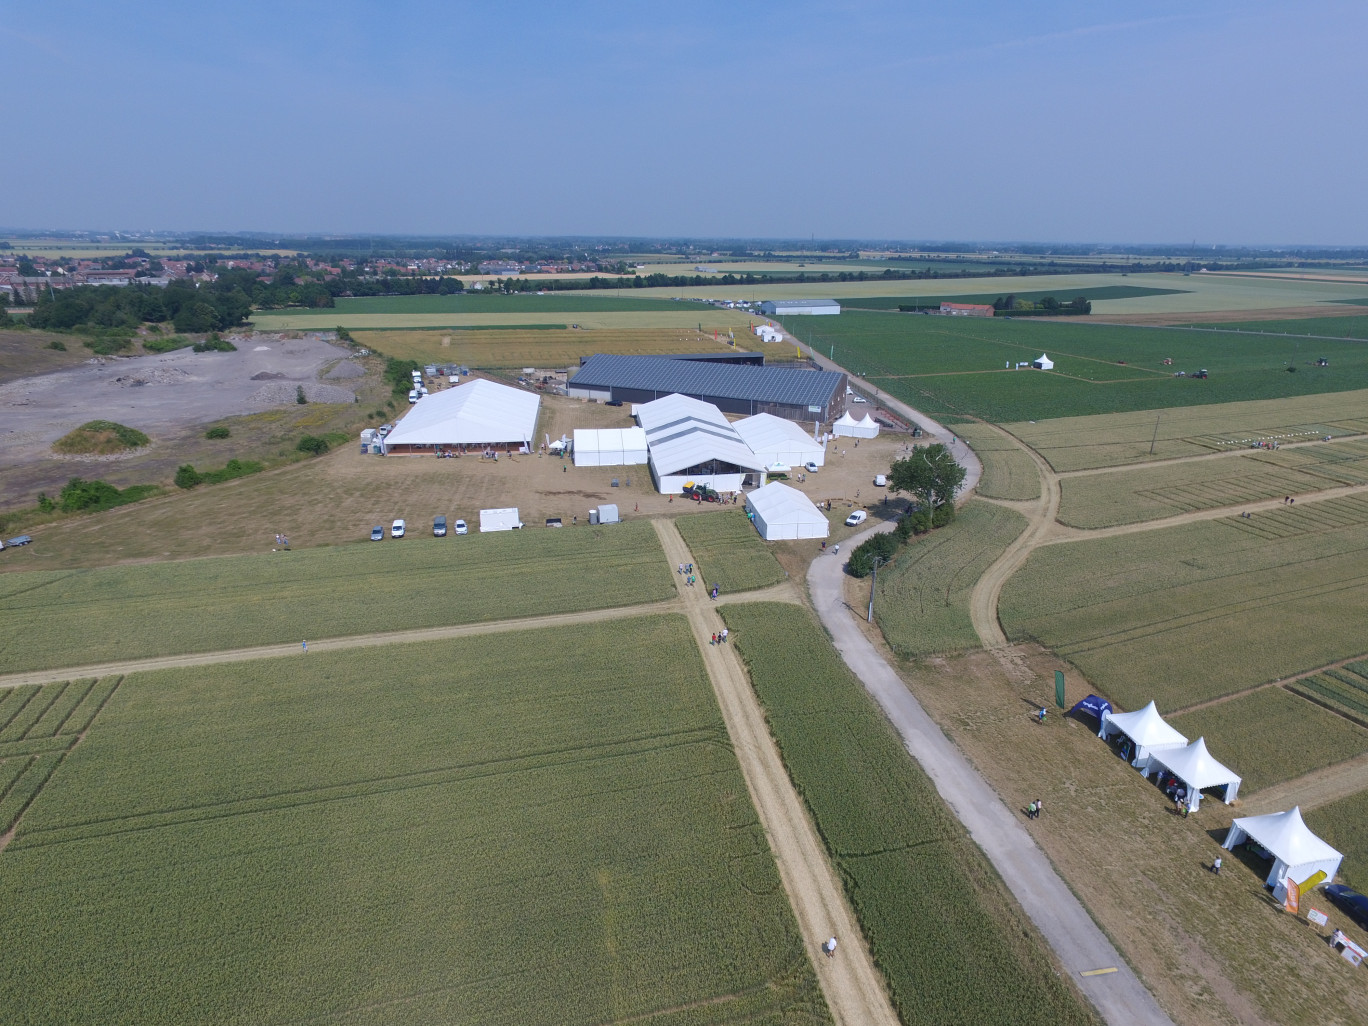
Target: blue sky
pixel 1225 122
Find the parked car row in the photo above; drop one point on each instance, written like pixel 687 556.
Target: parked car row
pixel 399 529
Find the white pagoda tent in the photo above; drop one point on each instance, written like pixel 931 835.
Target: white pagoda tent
pixel 846 425
pixel 1196 768
pixel 1146 729
pixel 1298 854
pixel 1044 363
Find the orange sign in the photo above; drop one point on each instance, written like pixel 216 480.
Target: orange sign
pixel 1293 898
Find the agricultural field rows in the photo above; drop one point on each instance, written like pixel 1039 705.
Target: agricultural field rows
pixel 1095 294
pixel 1344 691
pixel 1344 824
pixel 951 942
pixel 922 605
pixel 1330 326
pixel 1086 443
pixel 557 347
pixel 1270 736
pixel 543 829
pixel 475 303
pixel 696 316
pixel 1131 496
pixel 1303 518
pixel 967 366
pixel 1195 611
pixel 729 552
pixel 1008 471
pixel 71 618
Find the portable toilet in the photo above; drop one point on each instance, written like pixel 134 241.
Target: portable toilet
pixel 607 513
pixel 593 516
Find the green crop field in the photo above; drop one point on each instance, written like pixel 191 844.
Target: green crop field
pixel 1008 471
pixel 71 618
pixel 1329 327
pixel 547 829
pixel 729 552
pixel 923 602
pixel 1271 736
pixel 944 930
pixel 967 365
pixel 1344 824
pixel 1084 443
pixel 1196 611
pixel 1133 495
pixel 1095 293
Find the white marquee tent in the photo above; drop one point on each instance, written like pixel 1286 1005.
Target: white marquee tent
pixel 609 447
pixel 1196 768
pixel 690 440
pixel 776 440
pixel 1146 728
pixel 846 425
pixel 1297 853
pixel 783 513
pixel 1044 363
pixel 479 413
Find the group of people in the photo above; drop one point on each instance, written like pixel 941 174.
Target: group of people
pixel 1034 809
pixel 282 541
pixel 687 570
pixel 720 638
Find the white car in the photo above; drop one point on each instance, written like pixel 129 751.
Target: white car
pixel 811 467
pixel 397 529
pixel 858 399
pixel 880 480
pixel 857 518
pixel 413 395
pixel 461 527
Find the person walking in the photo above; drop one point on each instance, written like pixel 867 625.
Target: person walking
pixel 712 640
pixel 1031 810
pixel 304 645
pixel 830 947
pixel 1216 866
pixel 1039 807
pixel 1040 716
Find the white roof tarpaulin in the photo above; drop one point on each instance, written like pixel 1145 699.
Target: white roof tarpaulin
pixel 1196 768
pixel 776 440
pixel 1146 728
pixel 1297 852
pixel 782 512
pixel 609 447
pixel 682 432
pixel 477 413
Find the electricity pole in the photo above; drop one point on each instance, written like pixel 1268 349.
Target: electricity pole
pixel 874 581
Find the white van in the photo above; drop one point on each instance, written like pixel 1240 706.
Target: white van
pixel 397 529
pixel 880 480
pixel 413 395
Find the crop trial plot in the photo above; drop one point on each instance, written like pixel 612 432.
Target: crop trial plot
pixel 1008 471
pixel 127 612
pixel 542 828
pixel 1344 824
pixel 729 552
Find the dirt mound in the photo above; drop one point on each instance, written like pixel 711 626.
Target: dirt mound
pixel 100 438
pixel 279 393
pixel 345 369
pixel 267 376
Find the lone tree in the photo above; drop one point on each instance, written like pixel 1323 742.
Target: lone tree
pixel 933 477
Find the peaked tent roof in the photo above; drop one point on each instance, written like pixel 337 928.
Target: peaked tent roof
pixel 1196 766
pixel 847 420
pixel 765 432
pixel 1146 728
pixel 1287 836
pixel 682 432
pixel 868 421
pixel 777 503
pixel 471 414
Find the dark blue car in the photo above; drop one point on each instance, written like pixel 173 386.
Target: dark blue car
pixel 1350 902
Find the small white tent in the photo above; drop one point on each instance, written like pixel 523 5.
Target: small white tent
pixel 609 447
pixel 847 425
pixel 1044 363
pixel 1297 853
pixel 1196 768
pixel 776 440
pixel 868 427
pixel 1146 729
pixel 781 512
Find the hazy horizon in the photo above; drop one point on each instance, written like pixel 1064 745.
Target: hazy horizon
pixel 861 121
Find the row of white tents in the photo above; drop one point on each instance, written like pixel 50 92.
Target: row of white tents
pixel 1157 748
pixel 848 427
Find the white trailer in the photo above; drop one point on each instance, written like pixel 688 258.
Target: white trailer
pixel 505 519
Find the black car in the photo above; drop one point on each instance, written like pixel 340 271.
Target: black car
pixel 1350 902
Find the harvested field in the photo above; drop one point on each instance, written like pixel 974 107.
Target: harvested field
pixel 1196 611
pixel 923 601
pixel 951 942
pixel 1270 736
pixel 1008 471
pixel 126 612
pixel 366 839
pixel 1083 443
pixel 729 552
pixel 1344 824
pixel 556 347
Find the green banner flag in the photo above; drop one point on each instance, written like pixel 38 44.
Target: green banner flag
pixel 1059 688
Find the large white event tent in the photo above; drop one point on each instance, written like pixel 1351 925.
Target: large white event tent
pixel 1196 768
pixel 690 440
pixel 848 426
pixel 479 413
pixel 1146 728
pixel 782 513
pixel 1298 854
pixel 610 447
pixel 776 440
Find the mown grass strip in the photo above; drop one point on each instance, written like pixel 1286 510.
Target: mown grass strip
pixel 942 927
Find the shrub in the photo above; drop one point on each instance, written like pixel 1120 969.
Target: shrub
pixel 299 395
pixel 187 476
pixel 883 546
pixel 79 496
pixel 217 432
pixel 313 445
pixel 58 345
pixel 45 503
pixel 165 343
pixel 214 344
